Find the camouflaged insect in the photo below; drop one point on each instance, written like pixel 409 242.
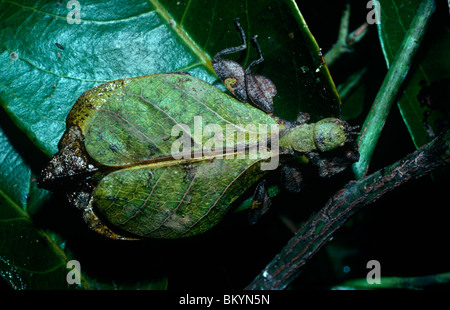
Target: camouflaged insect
pixel 116 160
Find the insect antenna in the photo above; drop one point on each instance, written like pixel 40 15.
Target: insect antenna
pixel 350 130
pixel 351 133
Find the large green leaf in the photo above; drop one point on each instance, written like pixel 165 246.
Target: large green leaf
pixel 46 63
pixel 429 78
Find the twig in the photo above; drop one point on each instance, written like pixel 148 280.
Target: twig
pixel 351 84
pixel 357 34
pixel 321 226
pixel 389 90
pixel 345 41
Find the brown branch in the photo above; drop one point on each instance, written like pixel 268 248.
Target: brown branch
pixel 287 265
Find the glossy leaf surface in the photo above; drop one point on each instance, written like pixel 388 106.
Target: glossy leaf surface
pixel 429 77
pixel 19 237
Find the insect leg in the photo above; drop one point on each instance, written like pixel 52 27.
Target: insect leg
pixel 260 59
pixel 260 204
pixel 83 201
pixel 291 179
pixel 302 118
pixel 332 164
pixel 260 89
pixel 99 227
pixel 230 72
pixel 231 50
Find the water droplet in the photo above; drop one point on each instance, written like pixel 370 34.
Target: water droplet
pixel 13 56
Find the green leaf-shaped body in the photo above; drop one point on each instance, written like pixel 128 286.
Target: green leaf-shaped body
pixel 127 124
pixel 166 155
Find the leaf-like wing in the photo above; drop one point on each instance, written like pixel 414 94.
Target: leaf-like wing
pixel 133 123
pixel 171 201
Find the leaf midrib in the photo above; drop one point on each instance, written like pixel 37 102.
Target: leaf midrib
pixel 183 35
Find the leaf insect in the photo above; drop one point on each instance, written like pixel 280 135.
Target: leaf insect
pixel 116 160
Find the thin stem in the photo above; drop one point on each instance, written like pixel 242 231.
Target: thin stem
pixel 345 40
pixel 389 90
pixel 340 46
pixel 351 84
pixel 357 34
pixel 316 232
